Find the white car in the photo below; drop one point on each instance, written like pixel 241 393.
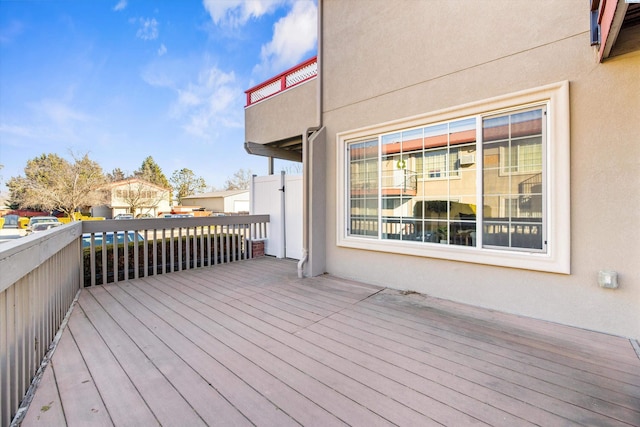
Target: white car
pixel 40 220
pixel 124 216
pixel 42 226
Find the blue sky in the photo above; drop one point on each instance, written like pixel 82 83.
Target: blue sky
pixel 125 79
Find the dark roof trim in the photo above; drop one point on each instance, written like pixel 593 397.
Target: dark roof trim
pixel 292 152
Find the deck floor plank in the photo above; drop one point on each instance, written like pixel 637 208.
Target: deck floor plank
pixel 597 371
pixel 556 399
pixel 214 363
pixel 295 378
pixel 248 343
pixel 532 338
pixel 205 400
pixel 79 396
pixel 120 396
pixel 46 405
pixel 348 379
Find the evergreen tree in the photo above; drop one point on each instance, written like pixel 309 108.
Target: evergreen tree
pixel 151 172
pixel 116 175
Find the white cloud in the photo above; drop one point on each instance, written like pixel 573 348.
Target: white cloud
pixel 162 50
pixel 60 113
pixel 294 35
pixel 235 13
pixel 213 100
pixel 47 120
pixel 148 29
pixel 122 4
pixel 14 130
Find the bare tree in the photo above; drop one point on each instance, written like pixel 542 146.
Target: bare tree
pixel 292 168
pixel 52 183
pixel 239 181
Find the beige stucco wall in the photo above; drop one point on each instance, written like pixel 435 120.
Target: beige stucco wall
pixel 387 60
pixel 284 115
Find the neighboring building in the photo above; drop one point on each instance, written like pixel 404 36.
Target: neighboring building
pixel 231 201
pixel 484 152
pixel 133 196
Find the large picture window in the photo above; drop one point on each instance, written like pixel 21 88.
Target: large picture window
pixel 471 187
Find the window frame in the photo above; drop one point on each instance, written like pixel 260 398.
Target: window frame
pixel 556 174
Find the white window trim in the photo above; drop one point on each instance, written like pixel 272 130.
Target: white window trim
pixel 557 258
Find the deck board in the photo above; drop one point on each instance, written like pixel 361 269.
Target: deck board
pixel 248 343
pixel 46 409
pixel 598 369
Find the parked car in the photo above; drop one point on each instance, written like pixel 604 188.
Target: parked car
pixel 11 221
pixel 124 216
pixel 42 226
pixel 108 238
pixel 39 220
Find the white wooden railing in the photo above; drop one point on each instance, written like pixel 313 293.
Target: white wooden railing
pixel 283 81
pixel 39 278
pixel 41 274
pixel 159 246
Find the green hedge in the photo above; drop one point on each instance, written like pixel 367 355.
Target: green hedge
pixel 195 260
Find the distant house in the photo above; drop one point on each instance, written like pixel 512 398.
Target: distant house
pixel 231 201
pixel 133 196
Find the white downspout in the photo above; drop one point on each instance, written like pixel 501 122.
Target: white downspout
pixel 306 156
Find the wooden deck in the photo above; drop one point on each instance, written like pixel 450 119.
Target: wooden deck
pixel 250 344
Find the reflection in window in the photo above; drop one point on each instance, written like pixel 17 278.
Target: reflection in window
pixel 363 191
pixel 512 180
pixel 422 184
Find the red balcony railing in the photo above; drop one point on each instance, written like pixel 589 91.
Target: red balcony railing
pixel 290 78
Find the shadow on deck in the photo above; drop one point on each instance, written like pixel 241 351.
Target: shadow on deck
pixel 250 344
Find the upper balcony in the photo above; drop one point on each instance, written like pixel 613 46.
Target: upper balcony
pixel 279 110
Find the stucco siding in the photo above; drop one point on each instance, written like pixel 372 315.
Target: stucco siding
pixel 386 62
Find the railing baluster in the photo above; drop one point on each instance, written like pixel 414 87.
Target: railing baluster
pixel 136 250
pixel 126 260
pixel 215 244
pixel 145 254
pixel 208 245
pixel 187 249
pixel 233 243
pixel 227 245
pixel 92 259
pixel 180 268
pixel 116 262
pixel 171 254
pixel 164 252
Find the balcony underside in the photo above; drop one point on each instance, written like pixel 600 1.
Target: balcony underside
pixel 288 149
pixel 249 343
